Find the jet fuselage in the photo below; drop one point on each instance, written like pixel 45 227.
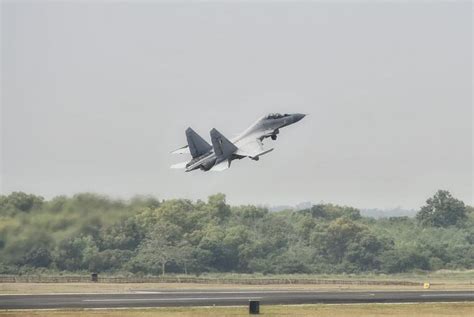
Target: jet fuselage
pixel 265 127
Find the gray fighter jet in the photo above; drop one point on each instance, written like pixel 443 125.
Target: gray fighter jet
pixel 217 157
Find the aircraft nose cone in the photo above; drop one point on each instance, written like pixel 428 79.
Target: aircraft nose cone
pixel 298 116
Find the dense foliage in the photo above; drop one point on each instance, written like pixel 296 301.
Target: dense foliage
pixel 88 232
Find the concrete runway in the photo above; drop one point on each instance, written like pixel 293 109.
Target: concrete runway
pixel 224 298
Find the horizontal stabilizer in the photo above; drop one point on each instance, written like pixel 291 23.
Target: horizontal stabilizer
pixel 179 165
pixel 181 150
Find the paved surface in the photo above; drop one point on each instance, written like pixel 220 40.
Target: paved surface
pixel 223 298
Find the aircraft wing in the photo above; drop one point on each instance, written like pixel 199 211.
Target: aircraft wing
pixel 252 148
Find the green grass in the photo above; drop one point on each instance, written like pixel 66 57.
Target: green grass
pixel 442 275
pixel 441 279
pixel 466 276
pixel 368 310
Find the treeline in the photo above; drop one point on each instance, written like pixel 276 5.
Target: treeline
pixel 92 233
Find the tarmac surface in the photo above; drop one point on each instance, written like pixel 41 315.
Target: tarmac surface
pixel 224 298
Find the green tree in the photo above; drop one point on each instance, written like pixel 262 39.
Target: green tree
pixel 442 210
pixel 223 257
pixel 110 260
pixel 39 257
pixel 218 207
pixel 331 212
pixel 125 234
pixel 403 260
pixel 78 253
pixel 184 256
pixel 147 236
pixel 159 248
pixel 348 245
pixel 19 202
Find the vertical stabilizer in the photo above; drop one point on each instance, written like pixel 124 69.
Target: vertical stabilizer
pixel 222 146
pixel 197 145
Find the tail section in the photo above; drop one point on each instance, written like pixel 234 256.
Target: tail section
pixel 222 146
pixel 197 145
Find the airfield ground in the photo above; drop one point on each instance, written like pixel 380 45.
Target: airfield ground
pixel 117 288
pixel 440 280
pixel 450 282
pixel 346 310
pixel 111 288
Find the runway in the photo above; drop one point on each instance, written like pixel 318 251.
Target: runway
pixel 224 298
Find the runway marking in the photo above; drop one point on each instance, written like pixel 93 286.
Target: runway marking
pixel 223 292
pixel 167 299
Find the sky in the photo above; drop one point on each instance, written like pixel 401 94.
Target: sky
pixel 95 95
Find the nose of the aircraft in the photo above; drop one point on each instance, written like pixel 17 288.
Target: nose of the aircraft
pixel 298 116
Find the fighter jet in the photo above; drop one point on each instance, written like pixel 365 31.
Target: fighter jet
pixel 219 155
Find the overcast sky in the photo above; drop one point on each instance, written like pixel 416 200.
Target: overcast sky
pixel 96 95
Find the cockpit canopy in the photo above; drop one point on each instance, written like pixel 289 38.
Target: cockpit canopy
pixel 276 115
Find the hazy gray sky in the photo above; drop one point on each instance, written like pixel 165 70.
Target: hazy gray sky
pixel 96 95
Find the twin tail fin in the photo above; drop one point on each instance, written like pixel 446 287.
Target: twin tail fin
pixel 222 146
pixel 197 145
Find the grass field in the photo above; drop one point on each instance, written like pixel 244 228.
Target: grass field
pixel 369 310
pixel 50 288
pixel 440 276
pixel 441 280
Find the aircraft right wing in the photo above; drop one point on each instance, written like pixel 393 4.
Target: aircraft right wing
pixel 253 149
